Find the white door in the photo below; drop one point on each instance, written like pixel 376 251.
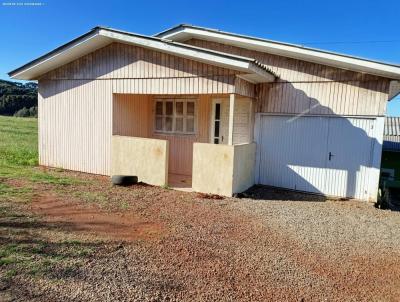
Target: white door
pixel 323 155
pixel 349 156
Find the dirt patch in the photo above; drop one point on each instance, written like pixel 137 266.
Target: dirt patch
pixel 181 246
pixel 16 183
pixel 89 218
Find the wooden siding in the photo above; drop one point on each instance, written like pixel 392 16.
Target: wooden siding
pixel 136 70
pixel 75 124
pixel 242 121
pixel 77 114
pixel 309 88
pixel 133 115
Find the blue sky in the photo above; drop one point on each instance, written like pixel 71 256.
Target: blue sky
pixel 364 28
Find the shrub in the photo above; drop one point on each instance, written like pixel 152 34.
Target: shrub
pixel 24 112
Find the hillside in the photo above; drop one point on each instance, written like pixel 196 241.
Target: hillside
pixel 18 99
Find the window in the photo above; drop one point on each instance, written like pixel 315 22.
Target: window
pixel 175 116
pixel 217 123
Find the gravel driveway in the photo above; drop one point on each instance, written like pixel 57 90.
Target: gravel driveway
pixel 249 249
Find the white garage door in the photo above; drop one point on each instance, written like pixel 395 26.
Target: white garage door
pixel 325 155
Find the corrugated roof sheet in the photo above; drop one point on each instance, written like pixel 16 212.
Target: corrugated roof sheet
pixel 391 134
pixel 392 126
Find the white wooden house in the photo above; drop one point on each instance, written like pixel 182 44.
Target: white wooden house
pixel 214 111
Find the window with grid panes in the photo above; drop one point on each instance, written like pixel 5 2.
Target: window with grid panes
pixel 175 116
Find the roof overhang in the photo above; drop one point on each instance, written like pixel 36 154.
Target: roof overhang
pixel 100 37
pixel 394 89
pixel 184 32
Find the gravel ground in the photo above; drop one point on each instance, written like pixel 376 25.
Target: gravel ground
pixel 260 248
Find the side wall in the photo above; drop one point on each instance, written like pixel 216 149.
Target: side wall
pixel 75 124
pixel 309 88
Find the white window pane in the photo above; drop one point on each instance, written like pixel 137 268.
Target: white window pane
pixel 159 108
pixel 169 108
pixel 179 108
pixel 190 108
pixel 179 124
pixel 168 124
pixel 190 125
pixel 159 123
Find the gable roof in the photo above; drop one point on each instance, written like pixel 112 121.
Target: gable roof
pixel 184 32
pixel 100 36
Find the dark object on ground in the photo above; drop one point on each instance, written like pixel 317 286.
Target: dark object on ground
pixel 123 180
pixel 242 195
pixel 209 196
pixel 389 195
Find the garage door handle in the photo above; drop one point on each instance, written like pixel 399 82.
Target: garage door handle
pixel 330 155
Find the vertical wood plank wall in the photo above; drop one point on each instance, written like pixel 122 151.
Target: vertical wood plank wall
pixel 137 70
pixel 242 121
pixel 133 115
pixel 75 124
pixel 309 88
pixel 76 101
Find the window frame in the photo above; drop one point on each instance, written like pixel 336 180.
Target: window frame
pixel 174 115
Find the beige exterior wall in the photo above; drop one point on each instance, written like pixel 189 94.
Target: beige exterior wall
pixel 243 121
pixel 133 115
pixel 144 157
pixel 223 169
pixel 309 88
pixel 243 167
pixel 77 114
pixel 75 125
pixel 136 70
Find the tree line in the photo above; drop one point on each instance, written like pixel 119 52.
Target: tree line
pixel 18 99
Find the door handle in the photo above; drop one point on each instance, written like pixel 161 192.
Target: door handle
pixel 330 155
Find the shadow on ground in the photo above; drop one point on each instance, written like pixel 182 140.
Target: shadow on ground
pixel 267 193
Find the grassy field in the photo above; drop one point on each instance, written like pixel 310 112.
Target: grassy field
pixel 24 250
pixel 19 156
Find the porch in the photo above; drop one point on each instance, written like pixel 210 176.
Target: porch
pixel 187 142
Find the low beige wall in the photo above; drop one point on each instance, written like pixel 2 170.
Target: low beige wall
pixel 243 169
pixel 223 169
pixel 144 157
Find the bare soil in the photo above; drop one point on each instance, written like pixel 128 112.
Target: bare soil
pixel 121 225
pixel 154 244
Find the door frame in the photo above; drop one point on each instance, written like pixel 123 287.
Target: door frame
pixel 212 119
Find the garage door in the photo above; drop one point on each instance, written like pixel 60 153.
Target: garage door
pixel 325 155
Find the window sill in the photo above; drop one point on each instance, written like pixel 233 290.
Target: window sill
pixel 173 133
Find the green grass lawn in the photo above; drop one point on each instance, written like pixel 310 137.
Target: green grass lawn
pixel 19 157
pixel 18 141
pixel 24 249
